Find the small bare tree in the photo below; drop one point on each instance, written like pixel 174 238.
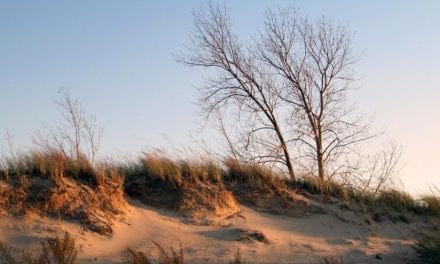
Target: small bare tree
pixel 79 134
pixel 242 84
pixel 72 129
pixel 377 172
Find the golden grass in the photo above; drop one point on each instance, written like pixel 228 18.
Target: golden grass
pixel 194 188
pixel 50 183
pixel 53 251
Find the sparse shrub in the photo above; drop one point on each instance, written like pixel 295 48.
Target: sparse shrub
pixel 428 249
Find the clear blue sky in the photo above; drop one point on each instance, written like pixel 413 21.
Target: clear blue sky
pixel 117 58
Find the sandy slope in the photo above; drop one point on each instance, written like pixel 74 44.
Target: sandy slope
pixel 304 239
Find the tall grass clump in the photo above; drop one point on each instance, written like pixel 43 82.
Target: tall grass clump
pixel 157 170
pixel 395 200
pixel 52 163
pixel 53 251
pixel 314 185
pixel 194 187
pixel 430 205
pixel 252 175
pixel 61 250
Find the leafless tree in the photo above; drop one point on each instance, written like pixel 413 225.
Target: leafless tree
pixel 292 66
pixel 72 129
pixel 93 136
pixel 11 145
pixel 314 62
pixel 79 134
pixel 242 84
pixel 376 172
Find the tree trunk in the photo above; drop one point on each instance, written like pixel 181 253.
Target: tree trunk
pixel 289 166
pixel 320 159
pixel 285 151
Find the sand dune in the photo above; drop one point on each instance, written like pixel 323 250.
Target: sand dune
pixel 302 239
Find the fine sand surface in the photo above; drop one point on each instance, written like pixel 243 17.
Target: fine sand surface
pixel 302 239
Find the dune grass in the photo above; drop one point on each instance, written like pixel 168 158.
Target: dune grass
pixel 53 251
pixel 50 181
pixel 428 249
pixel 195 188
pixel 173 256
pixel 392 204
pixel 430 205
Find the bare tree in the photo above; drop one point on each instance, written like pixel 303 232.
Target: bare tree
pixel 79 134
pixel 11 145
pixel 93 136
pixel 314 62
pixel 242 84
pixel 292 66
pixel 376 172
pixel 71 130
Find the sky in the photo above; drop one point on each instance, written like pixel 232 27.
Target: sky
pixel 118 59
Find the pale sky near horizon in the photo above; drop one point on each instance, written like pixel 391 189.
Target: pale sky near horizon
pixel 117 58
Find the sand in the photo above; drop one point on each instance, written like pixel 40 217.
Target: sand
pixel 299 239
